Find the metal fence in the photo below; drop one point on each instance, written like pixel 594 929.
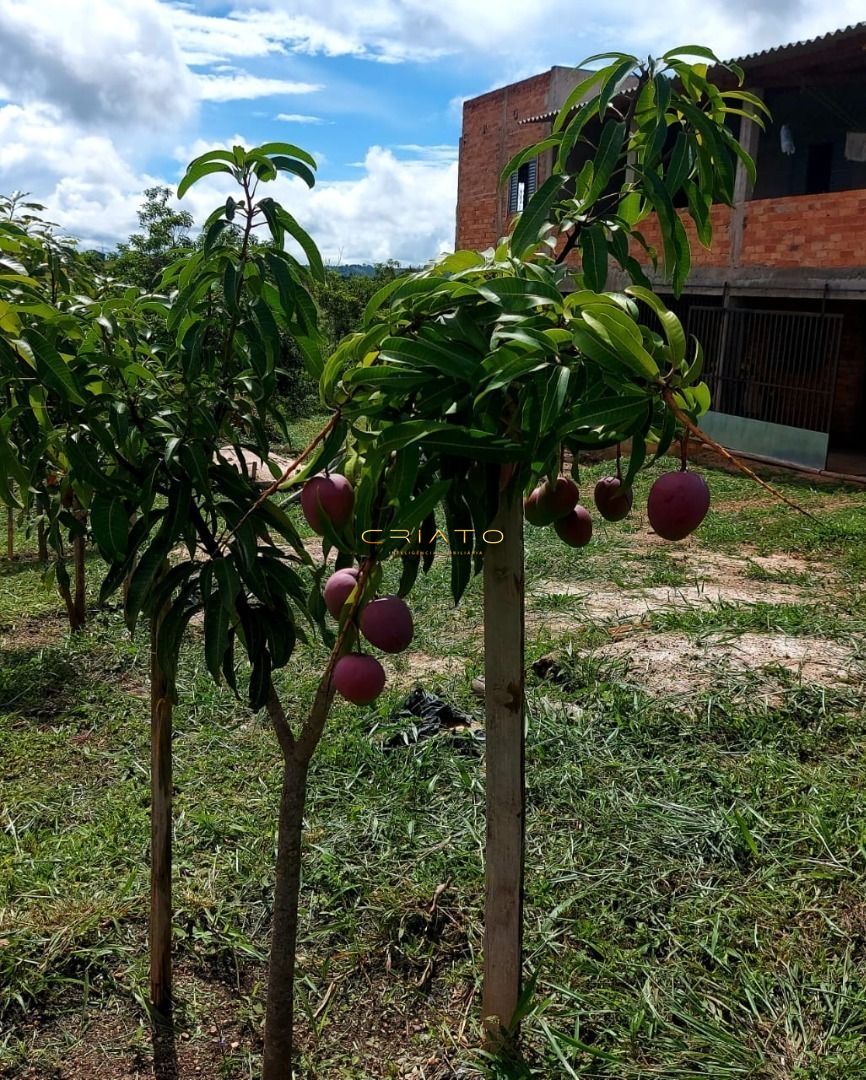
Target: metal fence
pixel 775 366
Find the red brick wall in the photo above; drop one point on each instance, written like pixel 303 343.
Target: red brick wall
pixel 492 134
pixel 719 254
pixel 806 230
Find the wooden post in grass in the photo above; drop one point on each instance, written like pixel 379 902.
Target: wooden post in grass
pixel 79 555
pixel 41 541
pixel 160 831
pixel 80 580
pixel 10 533
pixel 503 680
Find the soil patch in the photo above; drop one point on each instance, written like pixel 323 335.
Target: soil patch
pixel 669 663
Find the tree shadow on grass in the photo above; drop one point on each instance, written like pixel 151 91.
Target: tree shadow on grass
pixel 37 681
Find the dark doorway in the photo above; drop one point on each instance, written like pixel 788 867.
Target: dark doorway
pixel 819 168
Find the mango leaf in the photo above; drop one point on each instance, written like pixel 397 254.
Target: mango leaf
pixel 450 360
pixel 216 634
pixel 109 523
pixel 536 214
pixel 594 253
pixel 53 369
pixel 196 172
pixel 527 154
pixel 671 325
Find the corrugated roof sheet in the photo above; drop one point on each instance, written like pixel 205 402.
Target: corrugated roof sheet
pixel 772 53
pixel 776 50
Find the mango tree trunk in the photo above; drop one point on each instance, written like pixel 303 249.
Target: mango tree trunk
pixel 160 832
pixel 503 679
pixel 279 1021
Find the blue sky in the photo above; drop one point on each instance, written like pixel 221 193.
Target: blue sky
pixel 102 98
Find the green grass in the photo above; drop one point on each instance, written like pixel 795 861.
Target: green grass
pixel 695 865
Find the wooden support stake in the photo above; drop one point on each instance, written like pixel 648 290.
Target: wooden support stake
pixel 10 533
pixel 160 832
pixel 79 553
pixel 42 542
pixel 503 678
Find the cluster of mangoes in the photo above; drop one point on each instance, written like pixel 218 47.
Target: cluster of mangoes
pixel 385 622
pixel 677 504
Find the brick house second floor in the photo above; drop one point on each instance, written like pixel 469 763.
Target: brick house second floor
pixel 802 226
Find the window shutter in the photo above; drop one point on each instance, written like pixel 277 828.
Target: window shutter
pixel 531 177
pixel 512 193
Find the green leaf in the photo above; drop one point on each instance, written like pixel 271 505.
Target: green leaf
pixel 617 330
pixel 213 232
pixel 605 417
pixel 691 50
pixel 699 210
pixel 260 679
pixel 287 150
pixel 170 632
pixel 606 158
pixel 413 513
pixel 536 215
pixel 109 522
pixel 594 254
pixel 287 164
pixel 458 518
pixel 53 369
pixel 554 398
pixel 196 172
pixel 305 241
pixel 573 132
pixel 143 578
pixel 520 293
pixel 217 622
pixel 576 96
pixel 451 360
pixel 680 165
pixel 636 457
pixel 612 85
pixel 527 154
pixel 671 325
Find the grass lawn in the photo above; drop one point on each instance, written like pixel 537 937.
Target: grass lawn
pixel 696 828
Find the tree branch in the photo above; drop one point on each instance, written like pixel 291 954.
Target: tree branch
pixel 702 436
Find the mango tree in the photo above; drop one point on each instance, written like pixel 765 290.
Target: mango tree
pixel 49 320
pixel 472 381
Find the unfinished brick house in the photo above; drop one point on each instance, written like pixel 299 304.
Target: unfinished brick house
pixel 779 302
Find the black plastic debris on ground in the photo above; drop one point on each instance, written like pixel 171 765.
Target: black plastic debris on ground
pixel 423 715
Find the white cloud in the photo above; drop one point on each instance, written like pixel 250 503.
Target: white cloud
pixel 524 36
pixel 83 178
pixel 441 152
pixel 260 29
pixel 99 61
pixel 300 118
pixel 397 209
pixel 243 87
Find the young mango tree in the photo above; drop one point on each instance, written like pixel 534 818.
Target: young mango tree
pixel 154 415
pixel 48 323
pixel 197 403
pixel 472 381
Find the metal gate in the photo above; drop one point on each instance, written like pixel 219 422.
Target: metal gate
pixel 778 367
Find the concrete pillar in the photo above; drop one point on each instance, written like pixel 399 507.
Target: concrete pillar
pixel 749 140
